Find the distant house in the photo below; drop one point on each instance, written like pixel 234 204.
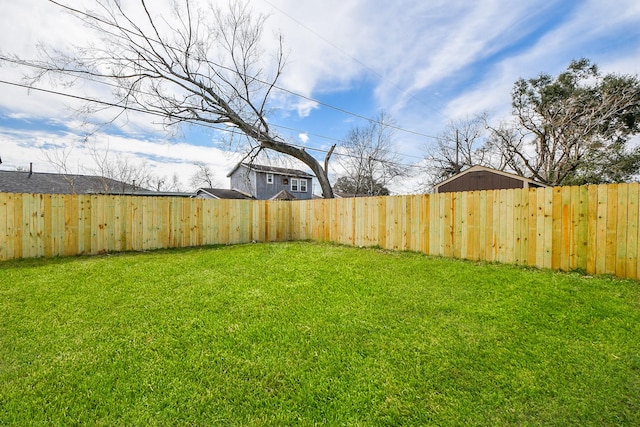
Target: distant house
pixel 221 193
pixel 266 182
pixel 55 183
pixel 483 178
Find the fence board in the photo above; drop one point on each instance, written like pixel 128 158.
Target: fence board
pixel 632 232
pixel 508 225
pixel 473 212
pixel 491 212
pixel 5 240
pixel 562 253
pixel 583 229
pixel 399 220
pixel 516 240
pixel 601 230
pixel 50 222
pixel 423 224
pixel 457 224
pixel 540 227
pixel 524 227
pixel 621 230
pixel 481 216
pixel 449 218
pixel 435 225
pixel 18 223
pixel 411 227
pixel 33 238
pixel 532 223
pixel 548 225
pixel 575 207
pixel 611 229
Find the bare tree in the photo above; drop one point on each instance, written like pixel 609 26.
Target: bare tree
pixel 203 176
pixel 117 172
pixel 118 168
pixel 199 65
pixel 59 158
pixel 463 143
pixel 369 159
pixel 162 183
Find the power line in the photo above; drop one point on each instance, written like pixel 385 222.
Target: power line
pixel 182 119
pixel 163 43
pixel 195 123
pixel 106 83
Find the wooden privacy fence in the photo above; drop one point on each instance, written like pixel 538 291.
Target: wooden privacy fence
pixel 593 228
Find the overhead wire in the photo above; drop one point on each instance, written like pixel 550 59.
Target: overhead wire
pixel 290 92
pixel 344 111
pixel 162 115
pixel 88 78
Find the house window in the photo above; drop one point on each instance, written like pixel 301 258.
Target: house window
pixel 303 185
pixel 294 184
pixel 285 181
pixel 269 178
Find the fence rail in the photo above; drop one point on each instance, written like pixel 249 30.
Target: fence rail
pixel 593 228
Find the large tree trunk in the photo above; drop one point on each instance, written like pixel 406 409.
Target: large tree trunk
pixel 266 141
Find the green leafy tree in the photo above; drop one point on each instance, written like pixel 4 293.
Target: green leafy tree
pixel 573 129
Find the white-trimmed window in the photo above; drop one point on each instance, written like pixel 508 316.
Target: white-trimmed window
pixel 269 178
pixel 298 185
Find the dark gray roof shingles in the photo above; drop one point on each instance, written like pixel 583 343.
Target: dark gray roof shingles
pixel 53 183
pixel 223 193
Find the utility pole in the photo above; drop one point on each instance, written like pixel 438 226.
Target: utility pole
pixel 457 167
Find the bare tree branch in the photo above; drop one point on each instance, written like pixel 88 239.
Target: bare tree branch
pixel 369 159
pixel 197 65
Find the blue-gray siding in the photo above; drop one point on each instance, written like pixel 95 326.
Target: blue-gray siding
pixel 255 183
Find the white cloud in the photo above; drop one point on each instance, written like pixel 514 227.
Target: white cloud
pixel 551 54
pixel 305 107
pixel 304 137
pixel 163 158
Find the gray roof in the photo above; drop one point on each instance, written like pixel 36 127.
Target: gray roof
pixel 54 183
pixel 272 169
pixel 223 193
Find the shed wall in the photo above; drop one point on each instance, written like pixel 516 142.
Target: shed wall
pixel 480 180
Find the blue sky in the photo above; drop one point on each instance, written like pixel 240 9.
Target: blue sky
pixel 423 62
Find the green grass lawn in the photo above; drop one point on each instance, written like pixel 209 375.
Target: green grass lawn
pixel 313 334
